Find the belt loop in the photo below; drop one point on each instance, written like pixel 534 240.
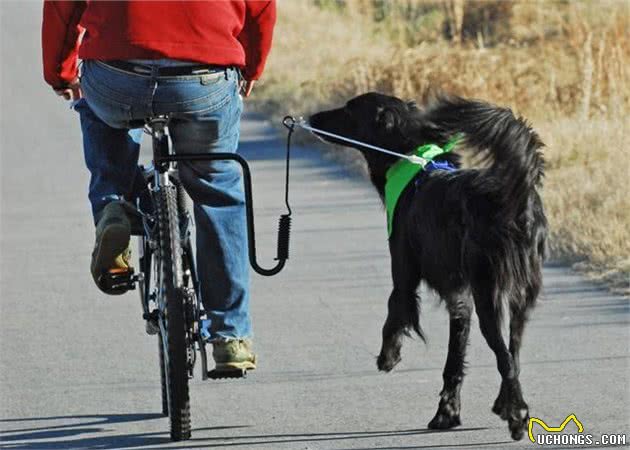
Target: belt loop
pixel 80 69
pixel 205 79
pixel 155 71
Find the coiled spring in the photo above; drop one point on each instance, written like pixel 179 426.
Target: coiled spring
pixel 284 231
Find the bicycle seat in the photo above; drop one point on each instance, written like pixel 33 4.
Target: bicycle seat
pixel 140 123
pixel 137 123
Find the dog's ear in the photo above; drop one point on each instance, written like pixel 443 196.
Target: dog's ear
pixel 387 119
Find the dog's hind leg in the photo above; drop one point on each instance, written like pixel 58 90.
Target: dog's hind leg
pixel 447 416
pixel 403 310
pixel 517 325
pixel 487 304
pixel 519 309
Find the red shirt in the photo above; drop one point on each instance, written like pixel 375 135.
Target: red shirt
pixel 236 32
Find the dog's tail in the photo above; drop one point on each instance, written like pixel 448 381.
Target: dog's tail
pixel 506 142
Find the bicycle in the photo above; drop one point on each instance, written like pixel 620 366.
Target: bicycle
pixel 167 280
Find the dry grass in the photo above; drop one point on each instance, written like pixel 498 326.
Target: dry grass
pixel 564 65
pixel 586 195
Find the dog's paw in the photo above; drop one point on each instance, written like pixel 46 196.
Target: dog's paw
pixel 386 362
pixel 444 420
pixel 518 420
pixel 447 415
pixel 510 406
pixel 500 410
pixel 500 407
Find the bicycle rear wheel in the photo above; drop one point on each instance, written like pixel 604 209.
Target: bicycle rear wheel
pixel 148 287
pixel 163 380
pixel 172 320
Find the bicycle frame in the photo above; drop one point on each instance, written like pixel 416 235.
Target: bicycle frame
pixel 171 307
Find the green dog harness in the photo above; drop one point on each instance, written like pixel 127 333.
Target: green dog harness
pixel 401 173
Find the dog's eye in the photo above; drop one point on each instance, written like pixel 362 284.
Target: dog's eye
pixel 386 119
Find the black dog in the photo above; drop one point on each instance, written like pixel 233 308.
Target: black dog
pixel 470 231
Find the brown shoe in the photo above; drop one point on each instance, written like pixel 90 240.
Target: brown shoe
pixel 233 354
pixel 111 251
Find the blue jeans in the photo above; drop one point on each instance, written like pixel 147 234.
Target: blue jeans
pixel 205 112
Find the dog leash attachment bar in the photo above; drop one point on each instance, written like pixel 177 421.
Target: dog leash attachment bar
pixel 284 224
pixel 249 209
pixel 300 122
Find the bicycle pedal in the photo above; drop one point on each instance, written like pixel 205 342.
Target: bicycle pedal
pixel 120 280
pixel 227 373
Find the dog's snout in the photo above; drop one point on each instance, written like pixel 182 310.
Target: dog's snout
pixel 319 120
pixel 312 120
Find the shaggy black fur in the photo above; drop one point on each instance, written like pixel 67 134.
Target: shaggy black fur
pixel 475 231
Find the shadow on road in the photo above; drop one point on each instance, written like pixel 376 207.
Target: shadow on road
pixel 248 441
pixel 293 438
pixel 56 436
pixel 99 419
pixel 415 447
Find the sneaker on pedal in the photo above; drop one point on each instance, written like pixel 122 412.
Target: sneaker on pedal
pixel 111 258
pixel 233 354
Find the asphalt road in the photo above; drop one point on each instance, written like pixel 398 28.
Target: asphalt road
pixel 77 370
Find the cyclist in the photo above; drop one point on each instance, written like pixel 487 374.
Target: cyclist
pixel 187 59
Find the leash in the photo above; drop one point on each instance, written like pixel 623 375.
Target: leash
pixel 291 122
pixel 398 176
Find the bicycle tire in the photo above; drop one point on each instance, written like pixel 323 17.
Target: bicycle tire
pixel 163 388
pixel 146 264
pixel 175 363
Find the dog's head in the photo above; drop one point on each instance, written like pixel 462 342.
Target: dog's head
pixel 383 121
pixel 372 118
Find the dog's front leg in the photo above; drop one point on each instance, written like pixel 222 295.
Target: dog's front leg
pixel 447 416
pixel 393 331
pixel 403 310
